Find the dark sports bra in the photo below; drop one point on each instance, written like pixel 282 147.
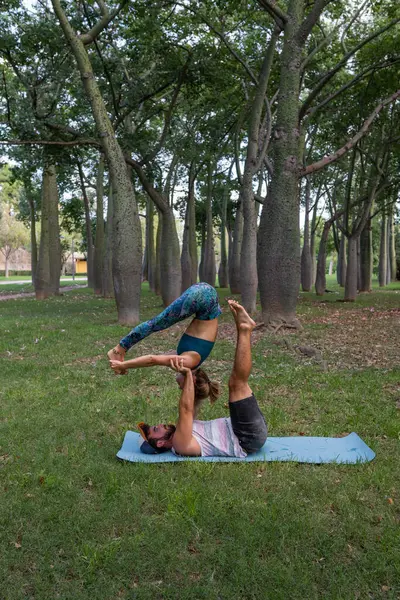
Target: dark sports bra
pixel 189 343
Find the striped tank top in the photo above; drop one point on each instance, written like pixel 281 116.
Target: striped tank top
pixel 216 438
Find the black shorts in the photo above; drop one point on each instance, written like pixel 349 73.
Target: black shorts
pixel 248 424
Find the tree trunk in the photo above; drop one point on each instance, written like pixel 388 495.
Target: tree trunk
pixel 202 251
pixel 358 264
pixel 320 281
pixel 223 265
pixel 127 244
pixel 248 255
pixel 392 248
pixel 209 267
pixel 306 263
pixel 88 228
pixel 278 257
pixel 42 278
pixel 54 233
pixel 342 261
pixel 108 287
pixel 383 252
pixel 157 279
pixel 34 258
pixel 189 244
pixel 99 238
pixel 6 265
pixel 366 258
pixel 169 260
pixel 151 255
pixel 350 292
pixel 234 263
pixel 312 242
pixel 388 269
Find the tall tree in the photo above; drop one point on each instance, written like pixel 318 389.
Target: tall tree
pixel 127 245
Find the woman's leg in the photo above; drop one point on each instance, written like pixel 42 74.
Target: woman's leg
pixel 191 302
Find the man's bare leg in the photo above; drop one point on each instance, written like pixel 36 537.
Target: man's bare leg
pixel 238 381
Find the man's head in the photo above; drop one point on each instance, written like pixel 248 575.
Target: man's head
pixel 158 437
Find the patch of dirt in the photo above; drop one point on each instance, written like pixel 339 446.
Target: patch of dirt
pixel 359 338
pixel 352 338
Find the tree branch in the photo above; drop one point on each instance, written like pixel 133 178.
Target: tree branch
pixel 328 76
pixel 157 198
pixel 231 50
pixel 90 36
pixel 317 166
pixel 168 115
pixel 50 143
pixel 346 86
pixel 311 19
pixel 279 16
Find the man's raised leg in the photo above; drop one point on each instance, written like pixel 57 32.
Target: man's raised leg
pixel 238 382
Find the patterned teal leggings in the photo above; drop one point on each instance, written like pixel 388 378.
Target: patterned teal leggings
pixel 199 301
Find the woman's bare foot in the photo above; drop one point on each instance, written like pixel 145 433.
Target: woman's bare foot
pixel 117 353
pixel 242 318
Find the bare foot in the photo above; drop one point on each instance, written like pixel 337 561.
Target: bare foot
pixel 242 318
pixel 117 353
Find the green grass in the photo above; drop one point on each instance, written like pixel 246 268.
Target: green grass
pixel 77 524
pixel 23 288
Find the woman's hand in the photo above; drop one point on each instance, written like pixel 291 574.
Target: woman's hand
pixel 178 364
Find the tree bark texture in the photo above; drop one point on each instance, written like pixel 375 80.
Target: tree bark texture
pixel 108 286
pixel 223 279
pixel 278 256
pixel 383 248
pixel 150 248
pixel 189 243
pixel 392 248
pixel 234 262
pixel 209 266
pixel 157 279
pixel 202 251
pixel 320 281
pixel 306 263
pixel 366 258
pixel 312 242
pixel 170 268
pixel 42 278
pixel 88 228
pixel 34 257
pixel 54 232
pixel 127 245
pixel 342 261
pixel 351 273
pixel 99 238
pixel 248 258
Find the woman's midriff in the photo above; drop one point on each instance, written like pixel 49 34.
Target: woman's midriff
pixel 205 330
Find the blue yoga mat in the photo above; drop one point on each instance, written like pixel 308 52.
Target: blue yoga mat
pixel 345 450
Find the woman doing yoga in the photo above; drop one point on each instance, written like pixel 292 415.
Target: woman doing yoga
pixel 199 301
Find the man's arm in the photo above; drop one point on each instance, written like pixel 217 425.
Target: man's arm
pixel 183 440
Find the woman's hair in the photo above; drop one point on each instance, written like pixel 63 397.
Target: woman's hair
pixel 204 388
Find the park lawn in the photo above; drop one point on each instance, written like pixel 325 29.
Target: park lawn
pixel 78 524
